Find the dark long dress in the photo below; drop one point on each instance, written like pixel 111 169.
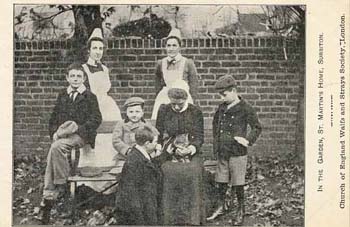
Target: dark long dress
pixel 183 196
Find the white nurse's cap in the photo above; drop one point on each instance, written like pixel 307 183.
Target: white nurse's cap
pixel 96 33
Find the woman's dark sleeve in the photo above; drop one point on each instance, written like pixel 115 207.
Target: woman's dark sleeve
pixel 160 123
pixel 197 138
pixel 159 83
pixel 192 79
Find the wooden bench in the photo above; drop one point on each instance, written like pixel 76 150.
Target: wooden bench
pixel 75 178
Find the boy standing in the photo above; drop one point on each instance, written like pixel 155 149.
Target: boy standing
pixel 73 123
pixel 231 140
pixel 139 193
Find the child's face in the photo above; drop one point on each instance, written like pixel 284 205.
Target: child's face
pixel 75 78
pixel 172 47
pixel 229 96
pixel 151 146
pixel 134 113
pixel 96 50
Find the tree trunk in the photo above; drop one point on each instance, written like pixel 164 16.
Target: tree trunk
pixel 86 19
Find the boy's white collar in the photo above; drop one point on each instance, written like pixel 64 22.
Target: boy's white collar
pixel 80 89
pixel 143 151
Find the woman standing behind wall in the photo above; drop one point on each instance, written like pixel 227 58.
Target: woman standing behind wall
pixel 171 68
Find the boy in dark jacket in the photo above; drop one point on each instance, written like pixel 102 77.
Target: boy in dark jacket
pixel 231 140
pixel 138 197
pixel 73 123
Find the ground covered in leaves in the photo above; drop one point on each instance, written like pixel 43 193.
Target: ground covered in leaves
pixel 274 195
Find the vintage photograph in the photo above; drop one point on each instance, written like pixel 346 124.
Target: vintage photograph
pixel 158 115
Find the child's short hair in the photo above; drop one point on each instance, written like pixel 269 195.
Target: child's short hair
pixel 75 66
pixel 144 134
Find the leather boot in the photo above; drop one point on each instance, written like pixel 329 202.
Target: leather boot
pixel 221 189
pixel 240 215
pixel 218 212
pixel 241 209
pixel 45 211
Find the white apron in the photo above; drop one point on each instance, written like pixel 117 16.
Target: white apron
pixel 169 77
pixel 100 84
pixel 103 154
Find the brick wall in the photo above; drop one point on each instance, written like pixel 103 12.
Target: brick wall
pixel 270 83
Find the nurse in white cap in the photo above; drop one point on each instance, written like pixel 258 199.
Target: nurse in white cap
pixel 99 83
pixel 172 68
pixel 98 77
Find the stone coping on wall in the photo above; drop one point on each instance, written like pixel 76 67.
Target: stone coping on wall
pixel 124 43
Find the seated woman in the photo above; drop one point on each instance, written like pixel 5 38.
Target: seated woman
pixel 180 125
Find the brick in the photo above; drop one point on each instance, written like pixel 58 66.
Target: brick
pixel 22 65
pixel 263 103
pixel 146 58
pixel 207 76
pixel 201 70
pixel 137 83
pixel 244 51
pixel 149 64
pixel 37 58
pixel 279 109
pixel 23 53
pixel 190 51
pixel 207 64
pixel 218 70
pixel 201 57
pixel 265 90
pixel 231 64
pixel 250 64
pixel 135 64
pixel 265 77
pixel 222 57
pixel 284 90
pixel 251 96
pixel 138 70
pixel 251 83
pixel 134 51
pixel 127 58
pixel 124 77
pixel 153 51
pixel 247 57
pixel 214 42
pixel 269 64
pixel 224 51
pixel 279 83
pixel 268 57
pixel 207 51
pixel 277 96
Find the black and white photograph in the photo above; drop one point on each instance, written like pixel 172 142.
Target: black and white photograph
pixel 159 114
